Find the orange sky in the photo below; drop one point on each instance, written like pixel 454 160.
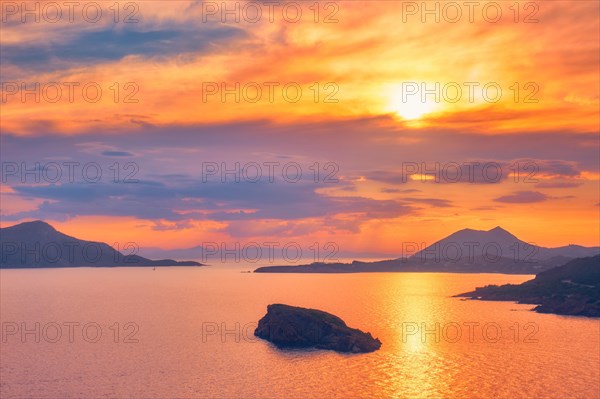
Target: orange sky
pixel 361 69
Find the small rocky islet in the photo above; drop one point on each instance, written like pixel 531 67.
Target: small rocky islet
pixel 294 327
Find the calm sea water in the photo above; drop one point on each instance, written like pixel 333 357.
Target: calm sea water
pixel 187 332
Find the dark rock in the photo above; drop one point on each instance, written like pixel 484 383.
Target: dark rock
pixel 572 289
pixel 294 327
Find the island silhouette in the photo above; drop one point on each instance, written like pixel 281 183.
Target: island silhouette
pixel 465 251
pixel 39 245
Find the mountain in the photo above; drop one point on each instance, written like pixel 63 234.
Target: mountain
pixel 38 245
pixel 465 251
pixel 495 250
pixel 571 289
pixel 496 243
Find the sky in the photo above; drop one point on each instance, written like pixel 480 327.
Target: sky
pixel 363 123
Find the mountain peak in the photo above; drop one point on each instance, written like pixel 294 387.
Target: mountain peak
pixel 36 225
pixel 38 222
pixel 499 233
pixel 70 251
pixel 480 234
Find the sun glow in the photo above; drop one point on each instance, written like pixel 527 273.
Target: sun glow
pixel 413 110
pixel 410 107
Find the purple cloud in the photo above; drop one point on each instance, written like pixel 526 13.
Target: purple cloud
pixel 522 197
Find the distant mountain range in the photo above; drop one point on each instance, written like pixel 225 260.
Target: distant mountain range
pixel 571 289
pixel 224 251
pixel 466 251
pixel 39 245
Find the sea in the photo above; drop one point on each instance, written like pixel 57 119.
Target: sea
pixel 187 332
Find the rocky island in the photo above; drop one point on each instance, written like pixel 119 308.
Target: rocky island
pixel 294 327
pixel 572 289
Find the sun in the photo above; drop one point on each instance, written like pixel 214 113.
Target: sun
pixel 409 107
pixel 412 108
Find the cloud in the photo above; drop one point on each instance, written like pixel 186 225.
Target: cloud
pixel 554 168
pixel 435 202
pixel 117 154
pixel 522 197
pixel 172 50
pixel 188 198
pixel 485 208
pixel 550 184
pixel 490 171
pixel 89 47
pixel 169 163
